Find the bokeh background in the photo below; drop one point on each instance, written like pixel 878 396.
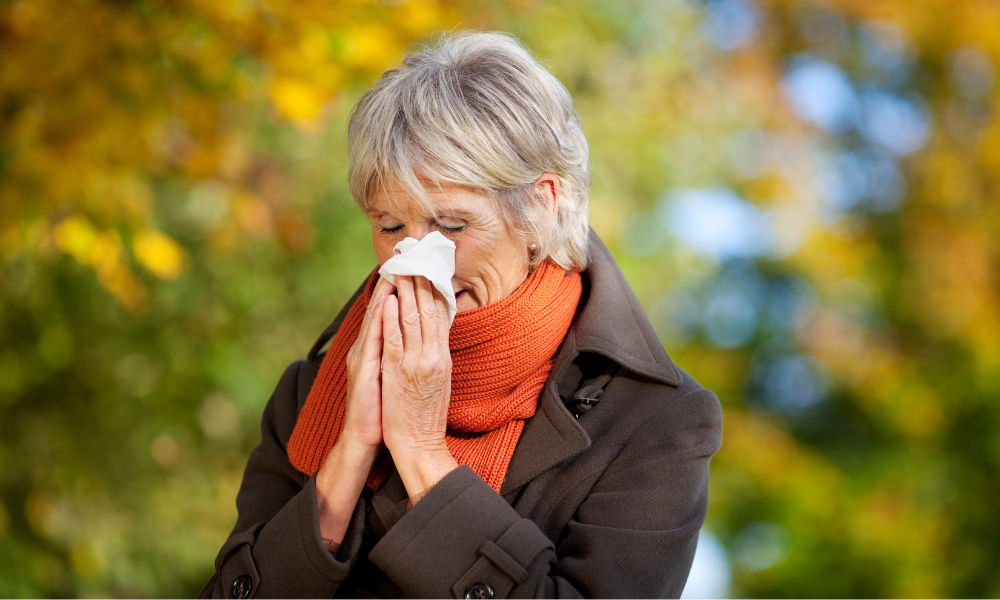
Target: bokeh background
pixel 802 193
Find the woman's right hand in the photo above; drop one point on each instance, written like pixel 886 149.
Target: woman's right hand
pixel 363 415
pixel 343 474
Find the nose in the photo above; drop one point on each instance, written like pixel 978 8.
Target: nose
pixel 418 230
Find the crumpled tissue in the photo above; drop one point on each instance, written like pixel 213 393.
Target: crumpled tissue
pixel 432 257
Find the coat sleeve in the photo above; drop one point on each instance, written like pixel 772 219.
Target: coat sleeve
pixel 634 535
pixel 276 549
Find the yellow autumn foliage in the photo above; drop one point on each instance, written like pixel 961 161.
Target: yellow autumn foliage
pixel 103 97
pixel 159 254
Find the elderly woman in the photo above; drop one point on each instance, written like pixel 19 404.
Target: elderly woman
pixel 543 444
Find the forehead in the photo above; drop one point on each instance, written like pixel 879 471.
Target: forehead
pixel 443 199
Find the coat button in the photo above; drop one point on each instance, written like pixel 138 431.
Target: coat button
pixel 241 587
pixel 480 589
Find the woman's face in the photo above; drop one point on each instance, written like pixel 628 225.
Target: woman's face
pixel 490 260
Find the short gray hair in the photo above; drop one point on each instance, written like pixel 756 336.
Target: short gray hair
pixel 477 110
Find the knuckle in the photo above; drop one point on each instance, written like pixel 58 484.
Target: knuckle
pixel 434 364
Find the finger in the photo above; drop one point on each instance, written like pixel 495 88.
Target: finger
pixel 409 316
pixel 444 329
pixel 371 346
pixel 382 289
pixel 429 321
pixel 392 337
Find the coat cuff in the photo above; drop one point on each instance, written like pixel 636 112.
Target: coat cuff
pixel 460 535
pixel 290 558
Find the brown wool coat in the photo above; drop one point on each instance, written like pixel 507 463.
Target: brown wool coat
pixel 606 505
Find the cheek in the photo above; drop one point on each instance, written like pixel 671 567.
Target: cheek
pixel 383 248
pixel 468 258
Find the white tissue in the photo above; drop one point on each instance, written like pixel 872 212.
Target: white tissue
pixel 432 257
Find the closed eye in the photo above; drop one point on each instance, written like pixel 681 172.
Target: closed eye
pixel 390 229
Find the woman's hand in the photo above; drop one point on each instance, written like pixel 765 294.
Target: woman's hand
pixel 343 474
pixel 363 415
pixel 416 383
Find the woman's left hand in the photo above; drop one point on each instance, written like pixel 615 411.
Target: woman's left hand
pixel 416 383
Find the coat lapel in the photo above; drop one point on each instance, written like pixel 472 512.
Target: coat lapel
pixel 551 436
pixel 611 323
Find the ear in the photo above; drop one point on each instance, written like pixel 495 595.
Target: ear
pixel 547 188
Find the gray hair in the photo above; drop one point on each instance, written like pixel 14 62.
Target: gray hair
pixel 477 110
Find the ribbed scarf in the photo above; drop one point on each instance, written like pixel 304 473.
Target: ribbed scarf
pixel 501 355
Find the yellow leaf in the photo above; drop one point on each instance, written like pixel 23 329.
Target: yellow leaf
pixel 296 100
pixel 419 16
pixel 159 254
pixel 372 47
pixel 314 46
pixel 75 236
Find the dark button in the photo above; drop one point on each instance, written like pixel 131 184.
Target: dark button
pixel 241 587
pixel 480 589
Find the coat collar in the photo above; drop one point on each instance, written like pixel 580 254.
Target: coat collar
pixel 611 323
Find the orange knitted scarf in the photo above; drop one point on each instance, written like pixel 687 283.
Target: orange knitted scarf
pixel 501 354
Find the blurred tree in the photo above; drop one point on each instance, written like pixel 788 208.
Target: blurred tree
pixel 888 487
pixel 103 98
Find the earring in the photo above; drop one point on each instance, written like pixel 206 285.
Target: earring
pixel 533 247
